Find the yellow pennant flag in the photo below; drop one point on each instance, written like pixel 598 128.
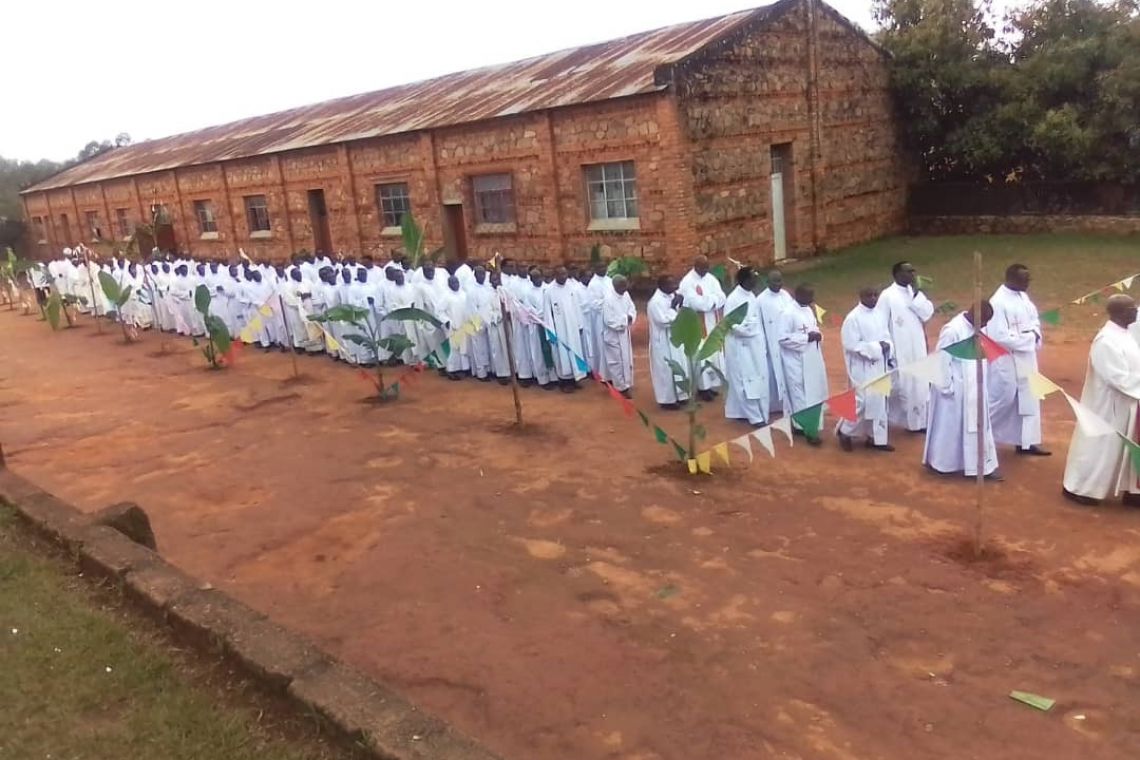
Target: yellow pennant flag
pixel 332 343
pixel 246 335
pixel 881 386
pixel 1119 286
pixel 692 467
pixel 1041 386
pixel 704 463
pixel 721 450
pixel 819 312
pixel 266 310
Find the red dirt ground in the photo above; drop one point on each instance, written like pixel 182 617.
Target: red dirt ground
pixel 562 595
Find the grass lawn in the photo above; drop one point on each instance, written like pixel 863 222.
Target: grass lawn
pixel 83 679
pixel 1063 267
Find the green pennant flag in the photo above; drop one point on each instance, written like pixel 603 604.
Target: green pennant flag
pixel 661 435
pixel 810 420
pixel 681 453
pixel 963 349
pixel 644 419
pixel 1051 317
pixel 1133 451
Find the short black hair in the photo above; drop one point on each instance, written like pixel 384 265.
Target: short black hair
pixel 743 274
pixel 662 280
pixel 1013 269
pixel 898 267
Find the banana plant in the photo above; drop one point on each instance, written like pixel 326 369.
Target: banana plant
pixel 118 296
pixel 368 336
pixel 686 334
pixel 219 343
pixel 413 238
pixel 60 304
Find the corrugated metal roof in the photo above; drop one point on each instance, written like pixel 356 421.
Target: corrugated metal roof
pixel 607 70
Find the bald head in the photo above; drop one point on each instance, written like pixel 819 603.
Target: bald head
pixel 1121 309
pixel 869 296
pixel 775 280
pixel 701 265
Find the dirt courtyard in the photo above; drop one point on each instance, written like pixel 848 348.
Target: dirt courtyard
pixel 563 595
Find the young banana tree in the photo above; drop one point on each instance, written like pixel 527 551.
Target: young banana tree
pixel 368 336
pixel 118 296
pixel 686 334
pixel 218 340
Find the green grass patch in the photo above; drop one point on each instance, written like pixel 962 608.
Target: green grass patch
pixel 78 683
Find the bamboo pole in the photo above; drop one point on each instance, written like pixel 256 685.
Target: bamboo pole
pixel 980 410
pixel 511 363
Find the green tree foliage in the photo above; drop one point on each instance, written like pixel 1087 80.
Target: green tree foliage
pixel 1055 96
pixel 219 342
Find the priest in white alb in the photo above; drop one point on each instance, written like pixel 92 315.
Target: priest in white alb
pixel 867 355
pixel 1014 411
pixel 907 309
pixel 1099 463
pixel 618 316
pixel 703 294
pixel 662 313
pixel 746 355
pixel 773 301
pixel 562 313
pixel 952 423
pixel 801 347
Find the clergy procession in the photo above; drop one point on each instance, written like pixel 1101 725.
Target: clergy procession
pixel 566 323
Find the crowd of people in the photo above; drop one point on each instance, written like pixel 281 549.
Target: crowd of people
pixel 564 323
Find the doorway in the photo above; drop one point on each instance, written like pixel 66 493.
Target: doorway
pixel 454 232
pixel 319 221
pixel 782 191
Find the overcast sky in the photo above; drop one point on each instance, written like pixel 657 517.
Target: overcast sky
pixel 82 70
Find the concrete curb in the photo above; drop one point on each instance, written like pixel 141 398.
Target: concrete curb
pixel 357 708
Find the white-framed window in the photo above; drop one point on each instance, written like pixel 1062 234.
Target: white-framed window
pixel 122 222
pixel 257 213
pixel 494 198
pixel 393 201
pixel 612 190
pixel 207 222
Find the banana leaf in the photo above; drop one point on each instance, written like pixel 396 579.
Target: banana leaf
pixel 686 331
pixel 715 340
pixel 202 299
pixel 412 314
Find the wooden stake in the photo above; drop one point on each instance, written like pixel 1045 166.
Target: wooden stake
pixel 979 367
pixel 289 336
pixel 511 363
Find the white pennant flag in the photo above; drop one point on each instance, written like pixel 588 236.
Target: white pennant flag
pixel 1090 423
pixel 763 437
pixel 928 369
pixel 743 443
pixel 784 425
pixel 1127 281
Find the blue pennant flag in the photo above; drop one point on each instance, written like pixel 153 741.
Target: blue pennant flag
pixel 550 336
pixel 582 365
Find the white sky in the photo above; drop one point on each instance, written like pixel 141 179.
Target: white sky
pixel 83 70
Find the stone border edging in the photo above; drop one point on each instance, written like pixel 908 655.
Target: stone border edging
pixel 361 710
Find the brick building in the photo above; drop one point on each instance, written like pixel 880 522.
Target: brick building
pixel 757 135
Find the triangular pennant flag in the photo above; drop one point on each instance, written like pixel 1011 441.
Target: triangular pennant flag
pixel 1051 317
pixel 626 406
pixel 704 463
pixel 1041 386
pixel 1133 452
pixel 810 420
pixel 614 393
pixel 1107 289
pixel 660 435
pixel 745 442
pixel 991 348
pixel 763 437
pixel 1079 301
pixel 1119 286
pixel 681 453
pixel 266 310
pixel 692 467
pixel 582 365
pixel 784 425
pixel 964 349
pixel 550 336
pixel 1127 281
pixel 820 312
pixel 1088 421
pixel 928 369
pixel 881 386
pixel 644 419
pixel 721 450
pixel 246 335
pixel 598 377
pixel 844 406
pixel 332 342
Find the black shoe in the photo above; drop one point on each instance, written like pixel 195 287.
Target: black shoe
pixel 669 407
pixel 995 477
pixel 877 447
pixel 547 387
pixel 813 440
pixel 797 431
pixel 1131 499
pixel 1087 501
pixel 706 395
pixel 845 442
pixel 504 381
pixel 567 386
pixel 485 379
pixel 920 431
pixel 627 393
pixel 1034 451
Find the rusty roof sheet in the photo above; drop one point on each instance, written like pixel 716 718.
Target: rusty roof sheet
pixel 614 69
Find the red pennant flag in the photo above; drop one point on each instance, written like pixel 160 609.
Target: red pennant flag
pixel 991 349
pixel 598 377
pixel 843 406
pixel 615 393
pixel 626 406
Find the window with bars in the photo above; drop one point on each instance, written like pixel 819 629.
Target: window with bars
pixel 122 222
pixel 257 213
pixel 612 190
pixel 494 198
pixel 93 226
pixel 207 222
pixel 393 201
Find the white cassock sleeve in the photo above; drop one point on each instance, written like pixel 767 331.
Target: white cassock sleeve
pixel 922 307
pixel 791 337
pixel 1002 328
pixel 851 337
pixel 1111 366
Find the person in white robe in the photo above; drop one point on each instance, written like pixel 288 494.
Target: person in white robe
pixel 431 288
pixel 773 301
pixel 488 345
pixel 1100 466
pixel 453 312
pixel 703 294
pixel 291 290
pixel 952 420
pixel 801 350
pixel 867 356
pixel 1015 412
pixel 536 344
pixel 562 313
pixel 181 300
pixel 361 295
pixel 745 355
pixel 618 317
pixel 662 313
pixel 596 290
pixel 398 294
pixel 907 310
pixel 495 329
